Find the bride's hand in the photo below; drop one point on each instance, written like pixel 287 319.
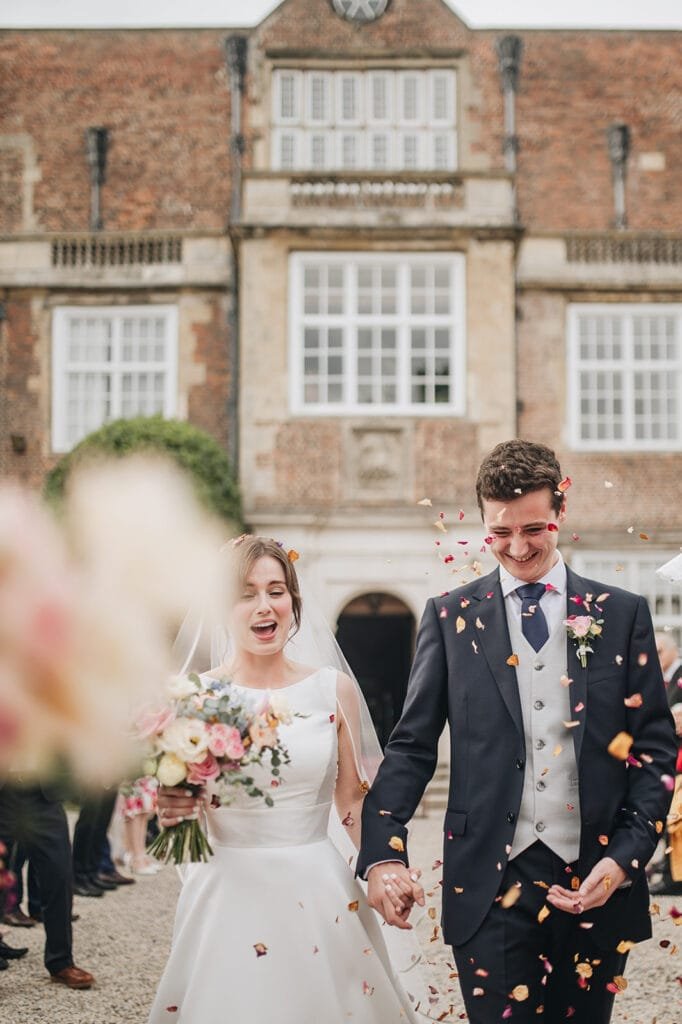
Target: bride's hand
pixel 392 890
pixel 175 805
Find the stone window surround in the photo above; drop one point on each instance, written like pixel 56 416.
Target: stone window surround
pixel 112 368
pixel 401 321
pixel 617 379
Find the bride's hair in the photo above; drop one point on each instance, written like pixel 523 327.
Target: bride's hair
pixel 245 551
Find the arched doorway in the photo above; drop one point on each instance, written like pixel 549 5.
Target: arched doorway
pixel 376 634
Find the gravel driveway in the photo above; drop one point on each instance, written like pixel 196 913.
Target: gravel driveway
pixel 123 939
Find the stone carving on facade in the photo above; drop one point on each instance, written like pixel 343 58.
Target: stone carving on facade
pixel 360 10
pixel 375 460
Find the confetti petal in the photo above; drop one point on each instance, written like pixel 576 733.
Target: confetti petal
pixel 564 484
pixel 460 624
pixel 513 660
pixel 353 906
pixel 620 745
pixel 396 843
pixel 425 501
pixel 635 701
pixel 512 896
pixel 520 993
pixel 261 948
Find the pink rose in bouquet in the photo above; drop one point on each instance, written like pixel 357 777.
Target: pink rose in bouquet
pixel 201 772
pixel 225 741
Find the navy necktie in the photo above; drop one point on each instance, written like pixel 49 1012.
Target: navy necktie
pixel 533 622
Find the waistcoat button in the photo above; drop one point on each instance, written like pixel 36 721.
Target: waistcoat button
pixel 539 705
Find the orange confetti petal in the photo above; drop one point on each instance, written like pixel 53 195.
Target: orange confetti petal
pixel 543 914
pixel 353 906
pixel 396 843
pixel 512 896
pixel 520 993
pixel 620 745
pixel 513 660
pixel 293 556
pixel 604 840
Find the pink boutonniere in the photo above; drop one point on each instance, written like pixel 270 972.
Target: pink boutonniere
pixel 582 629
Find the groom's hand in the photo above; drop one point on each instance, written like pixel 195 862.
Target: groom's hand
pixel 175 805
pixel 392 890
pixel 603 880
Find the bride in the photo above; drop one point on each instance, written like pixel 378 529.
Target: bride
pixel 275 927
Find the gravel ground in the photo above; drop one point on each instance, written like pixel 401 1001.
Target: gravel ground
pixel 124 937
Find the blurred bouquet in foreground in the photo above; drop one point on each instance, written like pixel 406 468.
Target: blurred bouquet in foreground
pixel 207 736
pixel 89 605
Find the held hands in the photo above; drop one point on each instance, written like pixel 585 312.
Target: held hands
pixel 175 805
pixel 392 890
pixel 598 887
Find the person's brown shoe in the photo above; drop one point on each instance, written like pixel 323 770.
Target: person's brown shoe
pixel 114 876
pixel 18 919
pixel 73 977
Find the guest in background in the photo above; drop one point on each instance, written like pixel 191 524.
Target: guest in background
pixel 90 877
pixel 138 806
pixel 33 817
pixel 671 666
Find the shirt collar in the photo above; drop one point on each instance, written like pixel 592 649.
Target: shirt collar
pixel 556 577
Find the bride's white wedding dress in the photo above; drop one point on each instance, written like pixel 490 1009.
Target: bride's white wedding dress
pixel 274 928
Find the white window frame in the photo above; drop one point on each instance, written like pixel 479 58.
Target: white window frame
pixel 299 99
pixel 115 367
pixel 636 577
pixel 424 124
pixel 402 321
pixel 626 366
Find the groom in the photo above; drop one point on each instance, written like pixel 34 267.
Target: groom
pixel 558 765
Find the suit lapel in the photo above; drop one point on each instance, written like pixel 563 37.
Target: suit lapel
pixel 576 585
pixel 495 643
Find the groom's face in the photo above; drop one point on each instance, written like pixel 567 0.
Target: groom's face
pixel 524 533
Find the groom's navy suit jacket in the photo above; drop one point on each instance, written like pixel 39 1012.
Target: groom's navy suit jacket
pixel 463 677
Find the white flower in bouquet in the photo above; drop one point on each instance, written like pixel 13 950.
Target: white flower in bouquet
pixel 281 708
pixel 171 770
pixel 179 687
pixel 187 738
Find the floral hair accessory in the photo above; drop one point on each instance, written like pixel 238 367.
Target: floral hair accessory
pixel 582 629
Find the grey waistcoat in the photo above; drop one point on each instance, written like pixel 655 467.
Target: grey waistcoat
pixel 550 809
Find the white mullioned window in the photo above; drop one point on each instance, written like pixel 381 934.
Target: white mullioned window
pixel 108 363
pixel 377 333
pixel 379 120
pixel 625 376
pixel 637 573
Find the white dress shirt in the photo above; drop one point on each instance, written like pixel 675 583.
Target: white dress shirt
pixel 552 602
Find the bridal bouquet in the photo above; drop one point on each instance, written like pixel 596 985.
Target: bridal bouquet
pixel 207 735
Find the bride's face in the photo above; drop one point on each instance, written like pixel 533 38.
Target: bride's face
pixel 262 615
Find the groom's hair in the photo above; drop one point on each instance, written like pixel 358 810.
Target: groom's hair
pixel 516 467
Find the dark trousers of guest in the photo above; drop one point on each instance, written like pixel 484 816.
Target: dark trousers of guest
pixel 38 823
pixel 90 833
pixel 536 972
pixel 17 860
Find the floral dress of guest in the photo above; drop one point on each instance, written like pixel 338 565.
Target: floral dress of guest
pixel 137 804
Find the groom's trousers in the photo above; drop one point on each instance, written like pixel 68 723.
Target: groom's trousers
pixel 524 969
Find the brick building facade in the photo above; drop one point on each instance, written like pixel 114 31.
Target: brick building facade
pixel 326 241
